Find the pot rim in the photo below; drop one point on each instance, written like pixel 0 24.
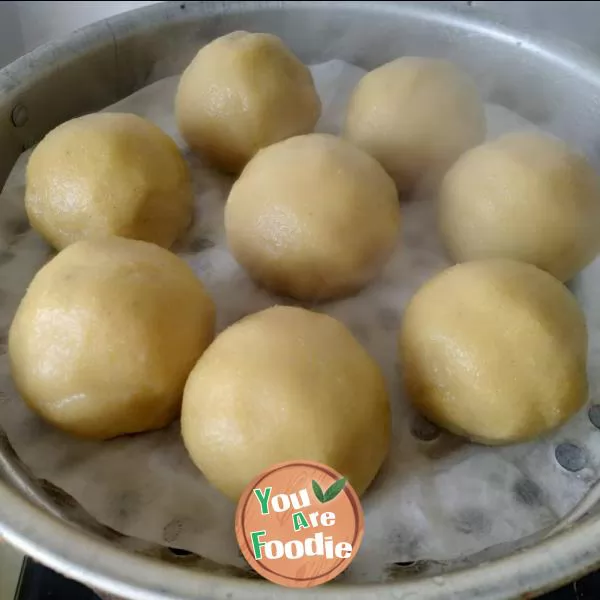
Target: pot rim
pixel 95 562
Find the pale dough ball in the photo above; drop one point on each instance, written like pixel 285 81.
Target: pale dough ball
pixel 495 351
pixel 313 217
pixel 285 384
pixel 106 335
pixel 242 92
pixel 108 174
pixel 415 116
pixel 525 196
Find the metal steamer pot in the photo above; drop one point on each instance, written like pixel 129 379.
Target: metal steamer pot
pixel 532 75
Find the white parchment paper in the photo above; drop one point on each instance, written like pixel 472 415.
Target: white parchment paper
pixel 434 500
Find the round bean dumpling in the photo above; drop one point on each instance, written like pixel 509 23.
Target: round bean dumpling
pixel 106 335
pixel 108 174
pixel 313 217
pixel 285 384
pixel 495 350
pixel 415 116
pixel 525 196
pixel 242 92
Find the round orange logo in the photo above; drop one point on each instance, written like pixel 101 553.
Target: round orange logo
pixel 299 524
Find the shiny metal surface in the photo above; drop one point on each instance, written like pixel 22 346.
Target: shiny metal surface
pixel 541 76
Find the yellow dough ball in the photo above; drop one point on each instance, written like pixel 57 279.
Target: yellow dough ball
pixel 415 116
pixel 313 217
pixel 242 92
pixel 106 335
pixel 495 350
pixel 108 174
pixel 525 196
pixel 285 384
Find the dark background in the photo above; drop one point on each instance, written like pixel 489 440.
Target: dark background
pixel 39 583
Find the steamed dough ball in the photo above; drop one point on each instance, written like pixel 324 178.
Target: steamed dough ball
pixel 415 116
pixel 312 217
pixel 285 384
pixel 108 174
pixel 495 351
pixel 525 196
pixel 106 335
pixel 242 92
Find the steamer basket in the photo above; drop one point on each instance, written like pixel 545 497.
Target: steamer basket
pixel 535 76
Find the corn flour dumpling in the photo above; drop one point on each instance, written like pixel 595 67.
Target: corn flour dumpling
pixel 108 174
pixel 525 196
pixel 283 384
pixel 106 335
pixel 495 350
pixel 415 116
pixel 313 217
pixel 243 92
